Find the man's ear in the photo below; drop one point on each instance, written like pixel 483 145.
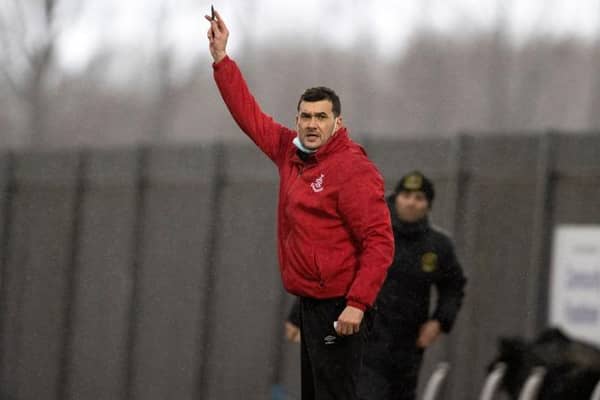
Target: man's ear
pixel 340 122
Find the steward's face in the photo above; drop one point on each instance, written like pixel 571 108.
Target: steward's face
pixel 411 206
pixel 316 123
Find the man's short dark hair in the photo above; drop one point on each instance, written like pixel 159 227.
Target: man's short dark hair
pixel 322 93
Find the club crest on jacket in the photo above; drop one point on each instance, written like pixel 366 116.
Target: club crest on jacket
pixel 317 185
pixel 429 262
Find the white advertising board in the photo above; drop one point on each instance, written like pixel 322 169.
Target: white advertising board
pixel 575 281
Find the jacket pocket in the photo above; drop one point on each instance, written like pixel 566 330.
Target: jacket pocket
pixel 332 264
pixel 301 259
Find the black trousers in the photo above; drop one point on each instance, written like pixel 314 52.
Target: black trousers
pixel 390 372
pixel 330 363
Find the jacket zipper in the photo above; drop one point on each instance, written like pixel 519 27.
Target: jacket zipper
pixel 287 196
pixel 319 272
pixel 298 175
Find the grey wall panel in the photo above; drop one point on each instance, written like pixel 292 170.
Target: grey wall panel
pixel 246 322
pixel 290 363
pixel 498 239
pixel 181 165
pixel 577 152
pixel 494 238
pixel 6 217
pixel 11 285
pixel 172 286
pixel 501 156
pixel 577 180
pixel 247 163
pixel 577 201
pixel 247 295
pixel 5 171
pixel 97 363
pixel 36 272
pixel 395 158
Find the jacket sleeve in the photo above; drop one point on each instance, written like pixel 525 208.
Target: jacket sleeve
pixel 365 212
pixel 450 290
pixel 270 136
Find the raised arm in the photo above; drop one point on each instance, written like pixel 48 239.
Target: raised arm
pixel 270 136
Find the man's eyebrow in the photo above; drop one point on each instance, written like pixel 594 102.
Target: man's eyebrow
pixel 307 114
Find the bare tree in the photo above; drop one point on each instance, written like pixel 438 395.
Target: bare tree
pixel 33 59
pixel 594 105
pixel 529 90
pixel 161 108
pixel 437 65
pixel 29 32
pixel 499 71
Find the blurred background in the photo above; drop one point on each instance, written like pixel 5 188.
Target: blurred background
pixel 137 223
pixel 77 72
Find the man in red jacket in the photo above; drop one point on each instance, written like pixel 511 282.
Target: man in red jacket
pixel 335 241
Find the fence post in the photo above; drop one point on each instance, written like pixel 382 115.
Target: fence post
pixel 457 210
pixel 137 252
pixel 72 276
pixel 214 227
pixel 456 202
pixel 536 297
pixel 9 190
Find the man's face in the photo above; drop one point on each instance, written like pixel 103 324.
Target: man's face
pixel 411 206
pixel 316 123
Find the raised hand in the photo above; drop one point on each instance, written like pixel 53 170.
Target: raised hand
pixel 217 37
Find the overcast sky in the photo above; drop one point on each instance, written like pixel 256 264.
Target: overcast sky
pixel 132 23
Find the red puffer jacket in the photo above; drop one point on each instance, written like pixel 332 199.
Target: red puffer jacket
pixel 334 232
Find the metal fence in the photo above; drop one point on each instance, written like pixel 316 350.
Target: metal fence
pixel 151 273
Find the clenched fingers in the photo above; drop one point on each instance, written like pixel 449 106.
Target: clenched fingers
pixel 346 328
